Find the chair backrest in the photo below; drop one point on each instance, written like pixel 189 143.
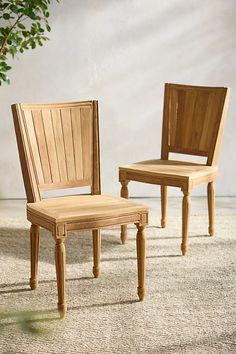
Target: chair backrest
pixel 58 146
pixel 193 120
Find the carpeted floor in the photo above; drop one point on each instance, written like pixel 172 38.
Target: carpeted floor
pixel 189 306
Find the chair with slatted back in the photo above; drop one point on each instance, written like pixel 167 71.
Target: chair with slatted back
pixel 193 121
pixel 59 148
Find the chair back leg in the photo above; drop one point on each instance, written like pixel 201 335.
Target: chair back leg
pixel 185 221
pixel 211 206
pixel 34 255
pixel 163 205
pixel 124 193
pixel 96 252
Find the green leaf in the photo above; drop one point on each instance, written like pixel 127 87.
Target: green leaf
pixel 4 78
pixel 20 25
pixel 6 16
pixel 48 27
pixel 14 8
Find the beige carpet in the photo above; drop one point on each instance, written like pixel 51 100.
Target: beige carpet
pixel 189 306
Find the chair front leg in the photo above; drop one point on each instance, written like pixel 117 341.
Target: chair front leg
pixel 124 193
pixel 34 255
pixel 163 205
pixel 60 260
pixel 141 259
pixel 185 221
pixel 96 252
pixel 211 206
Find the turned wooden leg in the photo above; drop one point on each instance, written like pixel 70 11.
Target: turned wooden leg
pixel 185 221
pixel 163 205
pixel 124 193
pixel 60 259
pixel 96 252
pixel 34 255
pixel 141 257
pixel 211 206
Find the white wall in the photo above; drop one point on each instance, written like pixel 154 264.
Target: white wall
pixel 121 52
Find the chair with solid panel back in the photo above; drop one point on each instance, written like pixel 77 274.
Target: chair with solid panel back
pixel 193 122
pixel 59 148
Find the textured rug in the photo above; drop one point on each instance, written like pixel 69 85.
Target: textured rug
pixel 189 306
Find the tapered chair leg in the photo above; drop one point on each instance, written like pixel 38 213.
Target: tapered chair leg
pixel 124 193
pixel 34 255
pixel 96 252
pixel 163 205
pixel 141 259
pixel 60 260
pixel 211 206
pixel 185 221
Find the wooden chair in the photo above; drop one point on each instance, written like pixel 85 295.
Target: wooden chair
pixel 193 121
pixel 59 148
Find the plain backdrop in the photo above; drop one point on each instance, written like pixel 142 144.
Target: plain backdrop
pixel 121 52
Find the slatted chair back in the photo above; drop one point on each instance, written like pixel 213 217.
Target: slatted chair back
pixel 58 146
pixel 193 120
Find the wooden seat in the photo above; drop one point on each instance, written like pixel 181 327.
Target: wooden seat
pixel 176 173
pixel 81 210
pixel 59 149
pixel 193 121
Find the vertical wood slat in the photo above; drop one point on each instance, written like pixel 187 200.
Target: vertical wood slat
pixel 197 118
pixel 190 105
pixel 180 128
pixel 222 111
pixel 96 183
pixel 173 108
pixel 86 128
pixel 31 136
pixel 68 141
pixel 50 141
pixel 209 122
pixel 28 170
pixel 166 124
pixel 42 146
pixel 77 140
pixel 59 143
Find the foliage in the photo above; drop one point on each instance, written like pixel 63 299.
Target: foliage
pixel 23 24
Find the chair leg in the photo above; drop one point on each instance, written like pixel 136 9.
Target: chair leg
pixel 163 205
pixel 34 255
pixel 124 193
pixel 211 206
pixel 141 257
pixel 60 260
pixel 185 221
pixel 96 252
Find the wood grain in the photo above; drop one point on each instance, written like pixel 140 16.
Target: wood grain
pixel 193 124
pixel 59 148
pixel 34 246
pixel 60 142
pixel 211 206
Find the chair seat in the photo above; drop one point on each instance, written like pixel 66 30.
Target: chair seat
pixel 86 211
pixel 176 171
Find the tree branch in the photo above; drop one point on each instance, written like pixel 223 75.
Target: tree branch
pixel 6 38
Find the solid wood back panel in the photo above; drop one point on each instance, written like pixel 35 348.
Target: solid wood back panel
pixel 192 120
pixel 58 141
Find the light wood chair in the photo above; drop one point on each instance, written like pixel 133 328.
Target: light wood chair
pixel 193 121
pixel 59 148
